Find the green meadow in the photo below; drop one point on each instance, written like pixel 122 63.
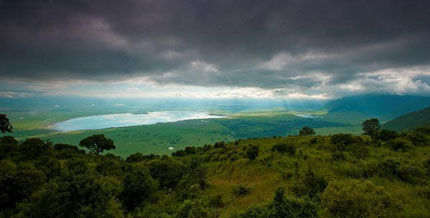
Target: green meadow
pixel 157 138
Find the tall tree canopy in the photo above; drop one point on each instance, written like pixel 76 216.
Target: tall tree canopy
pixel 370 127
pixel 306 130
pixel 97 143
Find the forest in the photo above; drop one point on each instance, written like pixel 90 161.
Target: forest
pixel 381 173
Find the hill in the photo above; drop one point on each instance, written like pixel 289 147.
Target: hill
pixel 409 121
pixel 384 107
pixel 296 176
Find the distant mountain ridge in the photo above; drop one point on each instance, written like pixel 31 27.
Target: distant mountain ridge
pixel 409 121
pixel 384 107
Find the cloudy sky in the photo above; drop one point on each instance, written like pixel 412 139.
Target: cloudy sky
pixel 214 48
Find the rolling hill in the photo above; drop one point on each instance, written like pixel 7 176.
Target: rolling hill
pixel 384 107
pixel 409 121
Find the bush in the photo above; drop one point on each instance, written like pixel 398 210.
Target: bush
pixel 412 174
pixel 220 144
pixel 338 156
pixel 389 168
pixel 138 185
pixel 216 201
pixel 8 140
pixel 241 190
pixel 418 138
pixel 283 207
pixel 192 209
pixel 284 148
pixel 34 148
pixel 342 141
pixel 399 144
pixel 309 184
pixel 385 135
pixel 252 152
pixel 134 158
pixel 354 198
pixel 167 172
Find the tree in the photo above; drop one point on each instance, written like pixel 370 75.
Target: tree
pixel 370 127
pixel 306 130
pixel 97 143
pixel 5 125
pixel 138 186
pixel 167 172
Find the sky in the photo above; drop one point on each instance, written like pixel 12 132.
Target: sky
pixel 292 49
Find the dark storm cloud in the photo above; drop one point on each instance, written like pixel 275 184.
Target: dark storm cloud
pixel 268 44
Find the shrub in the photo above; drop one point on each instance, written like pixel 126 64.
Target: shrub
pixel 389 168
pixel 34 148
pixel 309 184
pixel 359 151
pixel 386 135
pixel 284 148
pixel 252 152
pixel 216 201
pixel 136 157
pixel 399 144
pixel 138 185
pixel 354 198
pixel 338 156
pixel 167 172
pixel 8 140
pixel 342 141
pixel 283 207
pixel 411 173
pixel 418 138
pixel 241 190
pixel 220 144
pixel 192 209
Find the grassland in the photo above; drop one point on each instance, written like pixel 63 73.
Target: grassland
pixel 159 137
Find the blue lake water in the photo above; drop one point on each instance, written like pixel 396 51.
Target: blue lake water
pixel 307 116
pixel 129 119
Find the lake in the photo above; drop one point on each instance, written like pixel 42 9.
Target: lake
pixel 129 119
pixel 307 116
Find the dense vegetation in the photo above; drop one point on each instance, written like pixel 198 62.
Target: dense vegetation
pixel 386 174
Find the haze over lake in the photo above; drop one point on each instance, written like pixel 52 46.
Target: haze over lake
pixel 129 119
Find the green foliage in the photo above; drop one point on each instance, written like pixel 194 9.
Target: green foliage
pixel 252 152
pixel 309 184
pixel 332 176
pixel 97 143
pixel 283 207
pixel 342 141
pixel 284 148
pixel 306 130
pixel 241 190
pixel 386 135
pixel 137 157
pixel 138 184
pixel 371 126
pixel 355 199
pixel 18 182
pixel 399 144
pixel 5 125
pixel 192 209
pixel 168 172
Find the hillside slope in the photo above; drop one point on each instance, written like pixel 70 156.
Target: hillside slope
pixel 295 176
pixel 409 121
pixel 384 107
